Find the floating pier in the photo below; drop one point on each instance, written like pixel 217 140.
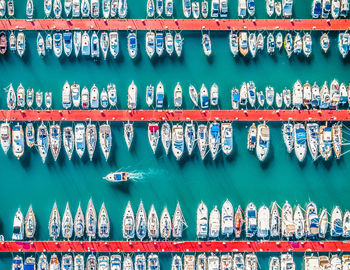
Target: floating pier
pixel 175 115
pixel 176 24
pixel 172 247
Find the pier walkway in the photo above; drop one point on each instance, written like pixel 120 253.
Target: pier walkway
pixel 181 247
pixel 176 24
pixel 175 115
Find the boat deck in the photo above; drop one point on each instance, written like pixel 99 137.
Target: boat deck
pixel 171 247
pixel 175 115
pixel 175 24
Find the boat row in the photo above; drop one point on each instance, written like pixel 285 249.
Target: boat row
pixel 326 262
pixel 271 223
pixel 320 140
pixel 89 225
pixel 80 138
pixel 142 225
pixel 324 8
pixel 92 262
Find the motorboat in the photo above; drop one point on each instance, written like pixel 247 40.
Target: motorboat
pixel 30 9
pixel 343 43
pixel 85 44
pixel 202 221
pixel 95 45
pixel 312 131
pixel 190 137
pixel 169 8
pixel 79 223
pixel 17 141
pixel 30 97
pixel 325 98
pixel 204 97
pixel 166 136
pixel 307 44
pixel 202 140
pixel 261 98
pixel 186 7
pixel 42 262
pixel 160 95
pixel 29 263
pixel 75 8
pixel 40 45
pixel 90 220
pixel 57 44
pixel 132 96
pixel 251 93
pixel 233 41
pixel 214 95
pixel 21 44
pixel 79 139
pixel 103 223
pixel 95 8
pixel 30 135
pixel 54 263
pixel 66 96
pixel 214 139
pixel 243 95
pixel 263 142
pixel 106 8
pixel 323 226
pixel 55 140
pixel 116 262
pixel 279 40
pixel 18 226
pixel 335 10
pixel 206 42
pixel 42 141
pixel 270 7
pixel 270 44
pixel 288 136
pixel 297 95
pixel 300 146
pixel 315 96
pixel 21 100
pixel 299 223
pixel 287 6
pixel 202 262
pixel 242 8
pixel 169 43
pixel 316 9
pixel 54 223
pixel 159 43
pixel 5 136
pixel 178 95
pixel 112 94
pixel 239 222
pixel 336 229
pixel 251 221
pixel 141 222
pixel 132 45
pixel 104 41
pixel 312 221
pixel 153 262
pixel 227 215
pixel 153 135
pixel 214 223
pixel 337 138
pixel 75 91
pixel 260 41
pixel 275 221
pixel 165 224
pixel 334 92
pixel 128 134
pixel 105 138
pixel 213 262
pixel 153 223
pixel 287 97
pixel 251 138
pixel 235 98
pixel 150 43
pixel 68 141
pixel 103 262
pixel 117 177
pixel 263 222
pixel 287 221
pixel 85 98
pixel 178 144
pixel 91 139
pixel 150 8
pixel 122 8
pixel 178 43
pixel 252 44
pixel 91 262
pixel 270 95
pixel 226 138
pixel 114 43
pixel 251 261
pixel 67 43
pixel 11 98
pixel 325 142
pixel 346 225
pixel 193 95
pixel 195 9
pixel 13 42
pixel 243 43
pixel 47 7
pixel 238 261
pixel 288 44
pixel 176 263
pixel 67 223
pixel 57 8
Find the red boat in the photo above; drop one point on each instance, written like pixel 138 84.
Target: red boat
pixel 238 222
pixel 3 43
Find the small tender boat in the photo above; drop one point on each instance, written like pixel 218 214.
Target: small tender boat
pixel 105 136
pixel 57 8
pixel 299 223
pixel 166 137
pixel 165 224
pixel 55 140
pixel 114 44
pixel 150 43
pixel 40 45
pixel 112 94
pixel 336 222
pixel 21 44
pixel 251 139
pixel 79 139
pixel 67 223
pixel 190 137
pixel 91 220
pixel 178 43
pixel 95 46
pixel 204 97
pixel 18 226
pixel 103 223
pixel 233 40
pixel 91 139
pixel 227 214
pixel 153 224
pixel 57 44
pixel 17 141
pixel 54 223
pixel 178 95
pixel 214 223
pixel 251 220
pixel 178 144
pixel 300 147
pixel 68 141
pixel 193 95
pixel 30 135
pixel 263 222
pixel 132 45
pixel 288 136
pixel 5 136
pixel 214 139
pixel 243 43
pixel 202 140
pixel 206 42
pixel 337 138
pixel 85 44
pixel 263 142
pixel 141 222
pixel 202 220
pixel 128 134
pixel 312 132
pixel 104 42
pixel 132 96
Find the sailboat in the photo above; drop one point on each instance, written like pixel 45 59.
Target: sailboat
pixel 150 8
pixel 202 140
pixel 128 223
pixel 43 141
pixel 178 43
pixel 54 223
pixel 178 222
pixel 55 140
pixel 165 224
pixel 21 44
pixel 153 224
pixel 325 142
pixel 128 134
pixel 287 221
pixel 57 8
pixel 141 222
pixel 337 138
pixel 79 223
pixel 105 136
pixel 336 222
pixel 79 139
pixel 166 136
pixel 204 97
pixel 299 223
pixel 67 223
pixel 57 44
pixel 68 141
pixel 275 221
pixel 149 95
pixel 132 96
pixel 202 220
pixel 30 223
pixel 103 223
pixel 40 45
pixel 30 9
pixel 190 137
pixel 239 221
pixel 122 8
pixel 75 8
pixel 91 139
pixel 106 8
pixel 91 220
pixel 153 135
pixel 112 94
pixel 214 95
pixel 176 263
pixel 178 95
pixel 312 132
pixel 150 43
pixel 47 7
pixel 11 98
pixel 178 144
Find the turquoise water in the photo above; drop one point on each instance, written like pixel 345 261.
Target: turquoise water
pixel 240 177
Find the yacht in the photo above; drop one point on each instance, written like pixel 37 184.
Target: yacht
pixel 67 43
pixel 263 142
pixel 40 45
pixel 251 7
pixel 275 221
pixel 30 135
pixel 270 44
pixel 263 222
pixel 336 222
pixel 153 262
pixel 165 224
pixel 288 44
pixel 206 42
pixel 214 223
pixel 215 8
pixel 287 97
pixel 159 43
pixel 297 94
pixel 128 134
pixel 57 8
pixel 243 95
pixel 239 221
pixel 103 223
pixel 176 263
pixel 336 262
pixel 269 93
pixel 251 139
pixel 91 262
pixel 238 261
pixel 243 42
pixel 287 221
pixel 42 262
pixel 204 97
pixel 300 147
pixel 17 141
pixel 190 137
pixel 213 262
pixel 132 96
pixel 346 225
pixel 104 41
pixel 153 135
pixel 252 44
pixel 18 226
pixel 226 138
pixel 178 96
pixel 103 262
pixel 178 144
pixel 30 9
pixel 94 97
pixel 287 8
pixel 21 101
pixel 233 40
pixel 67 223
pixel 55 140
pixel 132 45
pixel 79 136
pixel 166 137
pixel 193 95
pixel 312 220
pixel 169 43
pixel 307 44
pixel 227 214
pixel 90 220
pixel 5 136
pixel 251 220
pixel 85 44
pixel 251 93
pixel 68 141
pixel 17 263
pixel 54 263
pixel 150 43
pixel 312 132
pixel 105 138
pixel 326 8
pixel 202 140
pixel 299 223
pixel 202 262
pixel 324 262
pixel 47 7
pixel 95 45
pixel 112 94
pixel 79 223
pixel 251 262
pixel 116 177
pixel 66 96
pixel 242 8
pixel 42 141
pixel 325 142
pixel 159 7
pixel 202 221
pixel 91 139
pixel 104 99
pixel 30 223
pixel 323 223
pixel 54 223
pixel 11 98
pixel 57 44
pixel 270 7
pixel 178 222
pixel 48 42
pixel 288 136
pixel 141 222
pixel 114 43
pixel 337 138
pixel 214 139
pixel 178 43
pixel 150 8
pixel 287 262
pixel 122 8
pixel 116 262
pixel 186 6
pixel 159 95
pixel 153 224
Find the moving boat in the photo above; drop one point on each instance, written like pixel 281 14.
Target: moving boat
pixel 178 95
pixel 91 139
pixel 91 220
pixel 313 139
pixel 105 136
pixel 55 140
pixel 128 134
pixel 287 222
pixel 202 220
pixel 166 137
pixel 150 43
pixel 116 177
pixel 226 138
pixel 132 96
pixel 153 135
pixel 190 137
pixel 299 223
pixel 132 45
pixel 17 141
pixel 214 223
pixel 252 135
pixel 103 223
pixel 337 137
pixel 141 222
pixel 79 136
pixel 251 220
pixel 336 222
pixel 30 135
pixel 288 136
pixel 79 223
pixel 18 226
pixel 67 223
pixel 128 223
pixel 300 141
pixel 40 45
pixel 114 44
pixel 193 95
pixel 165 224
pixel 275 221
pixel 112 94
pixel 214 139
pixel 178 222
pixel 325 142
pixel 153 224
pixel 312 220
pixel 178 144
pixel 263 222
pixel 202 138
pixel 204 97
pixel 227 214
pixel 5 136
pixel 206 42
pixel 54 223
pixel 263 142
pixel 68 141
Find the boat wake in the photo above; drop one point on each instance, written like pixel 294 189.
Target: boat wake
pixel 142 175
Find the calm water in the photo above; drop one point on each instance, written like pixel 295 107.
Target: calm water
pixel 240 177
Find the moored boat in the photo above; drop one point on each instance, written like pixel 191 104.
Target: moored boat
pixel 54 223
pixel 90 220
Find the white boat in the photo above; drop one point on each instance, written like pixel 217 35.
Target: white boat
pixel 75 8
pixel 335 10
pixel 54 263
pixel 178 144
pixel 106 8
pixel 150 8
pixel 79 139
pixel 55 140
pixel 30 97
pixel 226 138
pixel 67 223
pixel 288 136
pixel 95 8
pixel 275 221
pixel 95 46
pixel 105 138
pixel 85 44
pixel 132 96
pixel 193 95
pixel 17 141
pixel 343 44
pixel 104 42
pixel 85 100
pixel 252 44
pixel 128 134
pixel 42 262
pixel 54 223
pixel 66 96
pixel 300 146
pixel 21 44
pixel 204 97
pixel 114 8
pixel 213 262
pixel 5 136
pixel 297 95
pixel 299 223
pixel 132 45
pixel 166 137
pixel 346 225
pixel 270 94
pixel 215 8
pixel 67 43
pixel 103 223
pixel 79 223
pixel 75 93
pixel 279 40
pixel 114 43
pixel 233 41
pixel 263 222
pixel 112 94
pixel 323 223
pixel 242 8
pixel 176 263
pixel 21 99
pixel 335 94
pixel 178 43
pixel 94 97
pixel 178 95
pixel 150 43
pixel 195 9
pixel 30 135
pixel 202 262
pixel 251 93
pixel 312 132
pixel 18 226
pixel 11 98
pixel 40 45
pixel 214 139
pixel 325 142
pixel 316 9
pixel 336 222
pixel 57 44
pixel 202 221
pixel 91 220
pixel 263 142
pixel 153 224
pixel 270 7
pixel 337 138
pixel 91 139
pixel 344 8
pixel 159 7
pixel 288 44
pixel 274 263
pixel 153 135
pixel 169 43
pixel 287 8
pixel 57 8
pixel 214 223
pixel 206 42
pixel 153 262
pixel 68 141
pixel 159 43
pixel 47 7
pixel 243 95
pixel 312 221
pixel 202 140
pixel 190 137
pixel 287 221
pixel 159 95
pixel 227 214
pixel 43 141
pixel 307 44
pixel 149 95
pixel 287 97
pixel 122 8
pixel 91 262
pixel 251 220
pixel 30 9
pixel 141 222
pixel 165 224
pixel 251 138
pixel 315 96
pixel 186 7
pixel 279 100
pixel 169 8
pixel 214 95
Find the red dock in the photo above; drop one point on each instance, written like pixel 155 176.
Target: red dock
pixel 175 24
pixel 173 115
pixel 181 247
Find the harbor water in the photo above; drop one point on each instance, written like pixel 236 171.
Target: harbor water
pixel 161 180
